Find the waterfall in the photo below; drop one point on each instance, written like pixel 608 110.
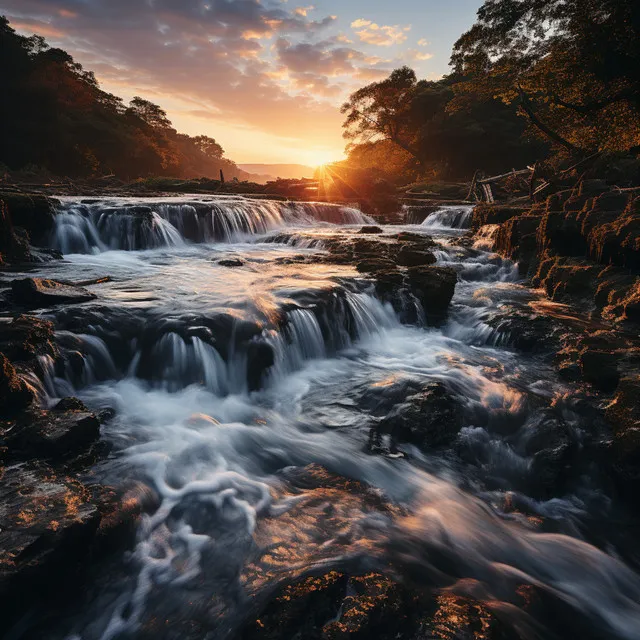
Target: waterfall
pixel 450 217
pixel 125 224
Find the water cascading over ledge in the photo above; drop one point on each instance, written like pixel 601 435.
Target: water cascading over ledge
pixel 131 225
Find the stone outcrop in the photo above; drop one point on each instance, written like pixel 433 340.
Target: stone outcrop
pixel 494 214
pixel 578 244
pixel 14 246
pixel 32 212
pixel 39 292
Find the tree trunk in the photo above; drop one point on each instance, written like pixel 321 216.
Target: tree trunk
pixel 546 130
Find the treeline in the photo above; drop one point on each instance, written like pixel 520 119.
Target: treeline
pixel 555 81
pixel 54 116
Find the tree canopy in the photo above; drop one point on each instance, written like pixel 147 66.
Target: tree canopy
pixel 54 115
pixel 571 67
pixel 405 127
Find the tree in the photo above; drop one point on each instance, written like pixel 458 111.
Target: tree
pixel 53 114
pixel 572 67
pixel 383 111
pixel 208 146
pixel 404 128
pixel 150 113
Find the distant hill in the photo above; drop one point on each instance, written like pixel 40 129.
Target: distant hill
pixel 265 172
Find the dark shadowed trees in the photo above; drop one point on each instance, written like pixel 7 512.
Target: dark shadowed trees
pixel 406 128
pixel 54 115
pixel 571 67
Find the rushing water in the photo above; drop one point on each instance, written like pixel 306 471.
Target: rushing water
pixel 173 344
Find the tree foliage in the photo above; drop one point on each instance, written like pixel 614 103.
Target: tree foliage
pixel 54 115
pixel 405 127
pixel 571 67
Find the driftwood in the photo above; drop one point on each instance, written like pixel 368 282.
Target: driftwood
pixel 521 172
pixel 85 283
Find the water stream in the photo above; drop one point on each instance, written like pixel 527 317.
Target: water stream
pixel 173 343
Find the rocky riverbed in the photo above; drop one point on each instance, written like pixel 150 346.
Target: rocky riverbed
pixel 243 419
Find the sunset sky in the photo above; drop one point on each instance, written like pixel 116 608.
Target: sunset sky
pixel 263 77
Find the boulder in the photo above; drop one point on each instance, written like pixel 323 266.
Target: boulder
pixel 33 212
pixel 373 265
pixel 15 395
pixel 56 435
pixel 434 288
pixel 427 419
pixel 551 447
pixel 381 397
pixel 370 229
pixel 26 337
pixel 39 292
pixel 231 262
pixel 408 256
pixel 14 246
pixel 418 238
pixel 47 524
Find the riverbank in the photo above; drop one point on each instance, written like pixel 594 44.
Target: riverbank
pixel 314 424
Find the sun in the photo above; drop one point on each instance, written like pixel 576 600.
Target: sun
pixel 319 157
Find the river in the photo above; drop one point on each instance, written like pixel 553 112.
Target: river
pixel 221 447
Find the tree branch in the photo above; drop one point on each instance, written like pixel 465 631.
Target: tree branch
pixel 546 130
pixel 595 105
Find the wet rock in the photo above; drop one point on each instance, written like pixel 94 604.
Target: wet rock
pixel 427 419
pixel 566 278
pixel 26 337
pixel 14 246
pixel 524 329
pixel 370 229
pixel 33 212
pixel 55 435
pixel 15 396
pixel 231 262
pixel 623 414
pixel 516 239
pixel 48 526
pixel 417 214
pixel 410 257
pixel 106 415
pixel 618 241
pixel 494 214
pixel 434 288
pixel 260 358
pixel 373 265
pixel 70 404
pixel 417 238
pixel 381 397
pixel 39 292
pixel 338 606
pixel 599 368
pixel 551 446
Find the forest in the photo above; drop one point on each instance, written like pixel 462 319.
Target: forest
pixel 530 82
pixel 55 117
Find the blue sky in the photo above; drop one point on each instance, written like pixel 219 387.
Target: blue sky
pixel 264 77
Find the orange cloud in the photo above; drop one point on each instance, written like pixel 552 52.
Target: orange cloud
pixel 383 36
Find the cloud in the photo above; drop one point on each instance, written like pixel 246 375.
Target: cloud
pixel 423 42
pixel 206 51
pixel 419 56
pixel 304 11
pixel 383 36
pixel 222 67
pixel 319 58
